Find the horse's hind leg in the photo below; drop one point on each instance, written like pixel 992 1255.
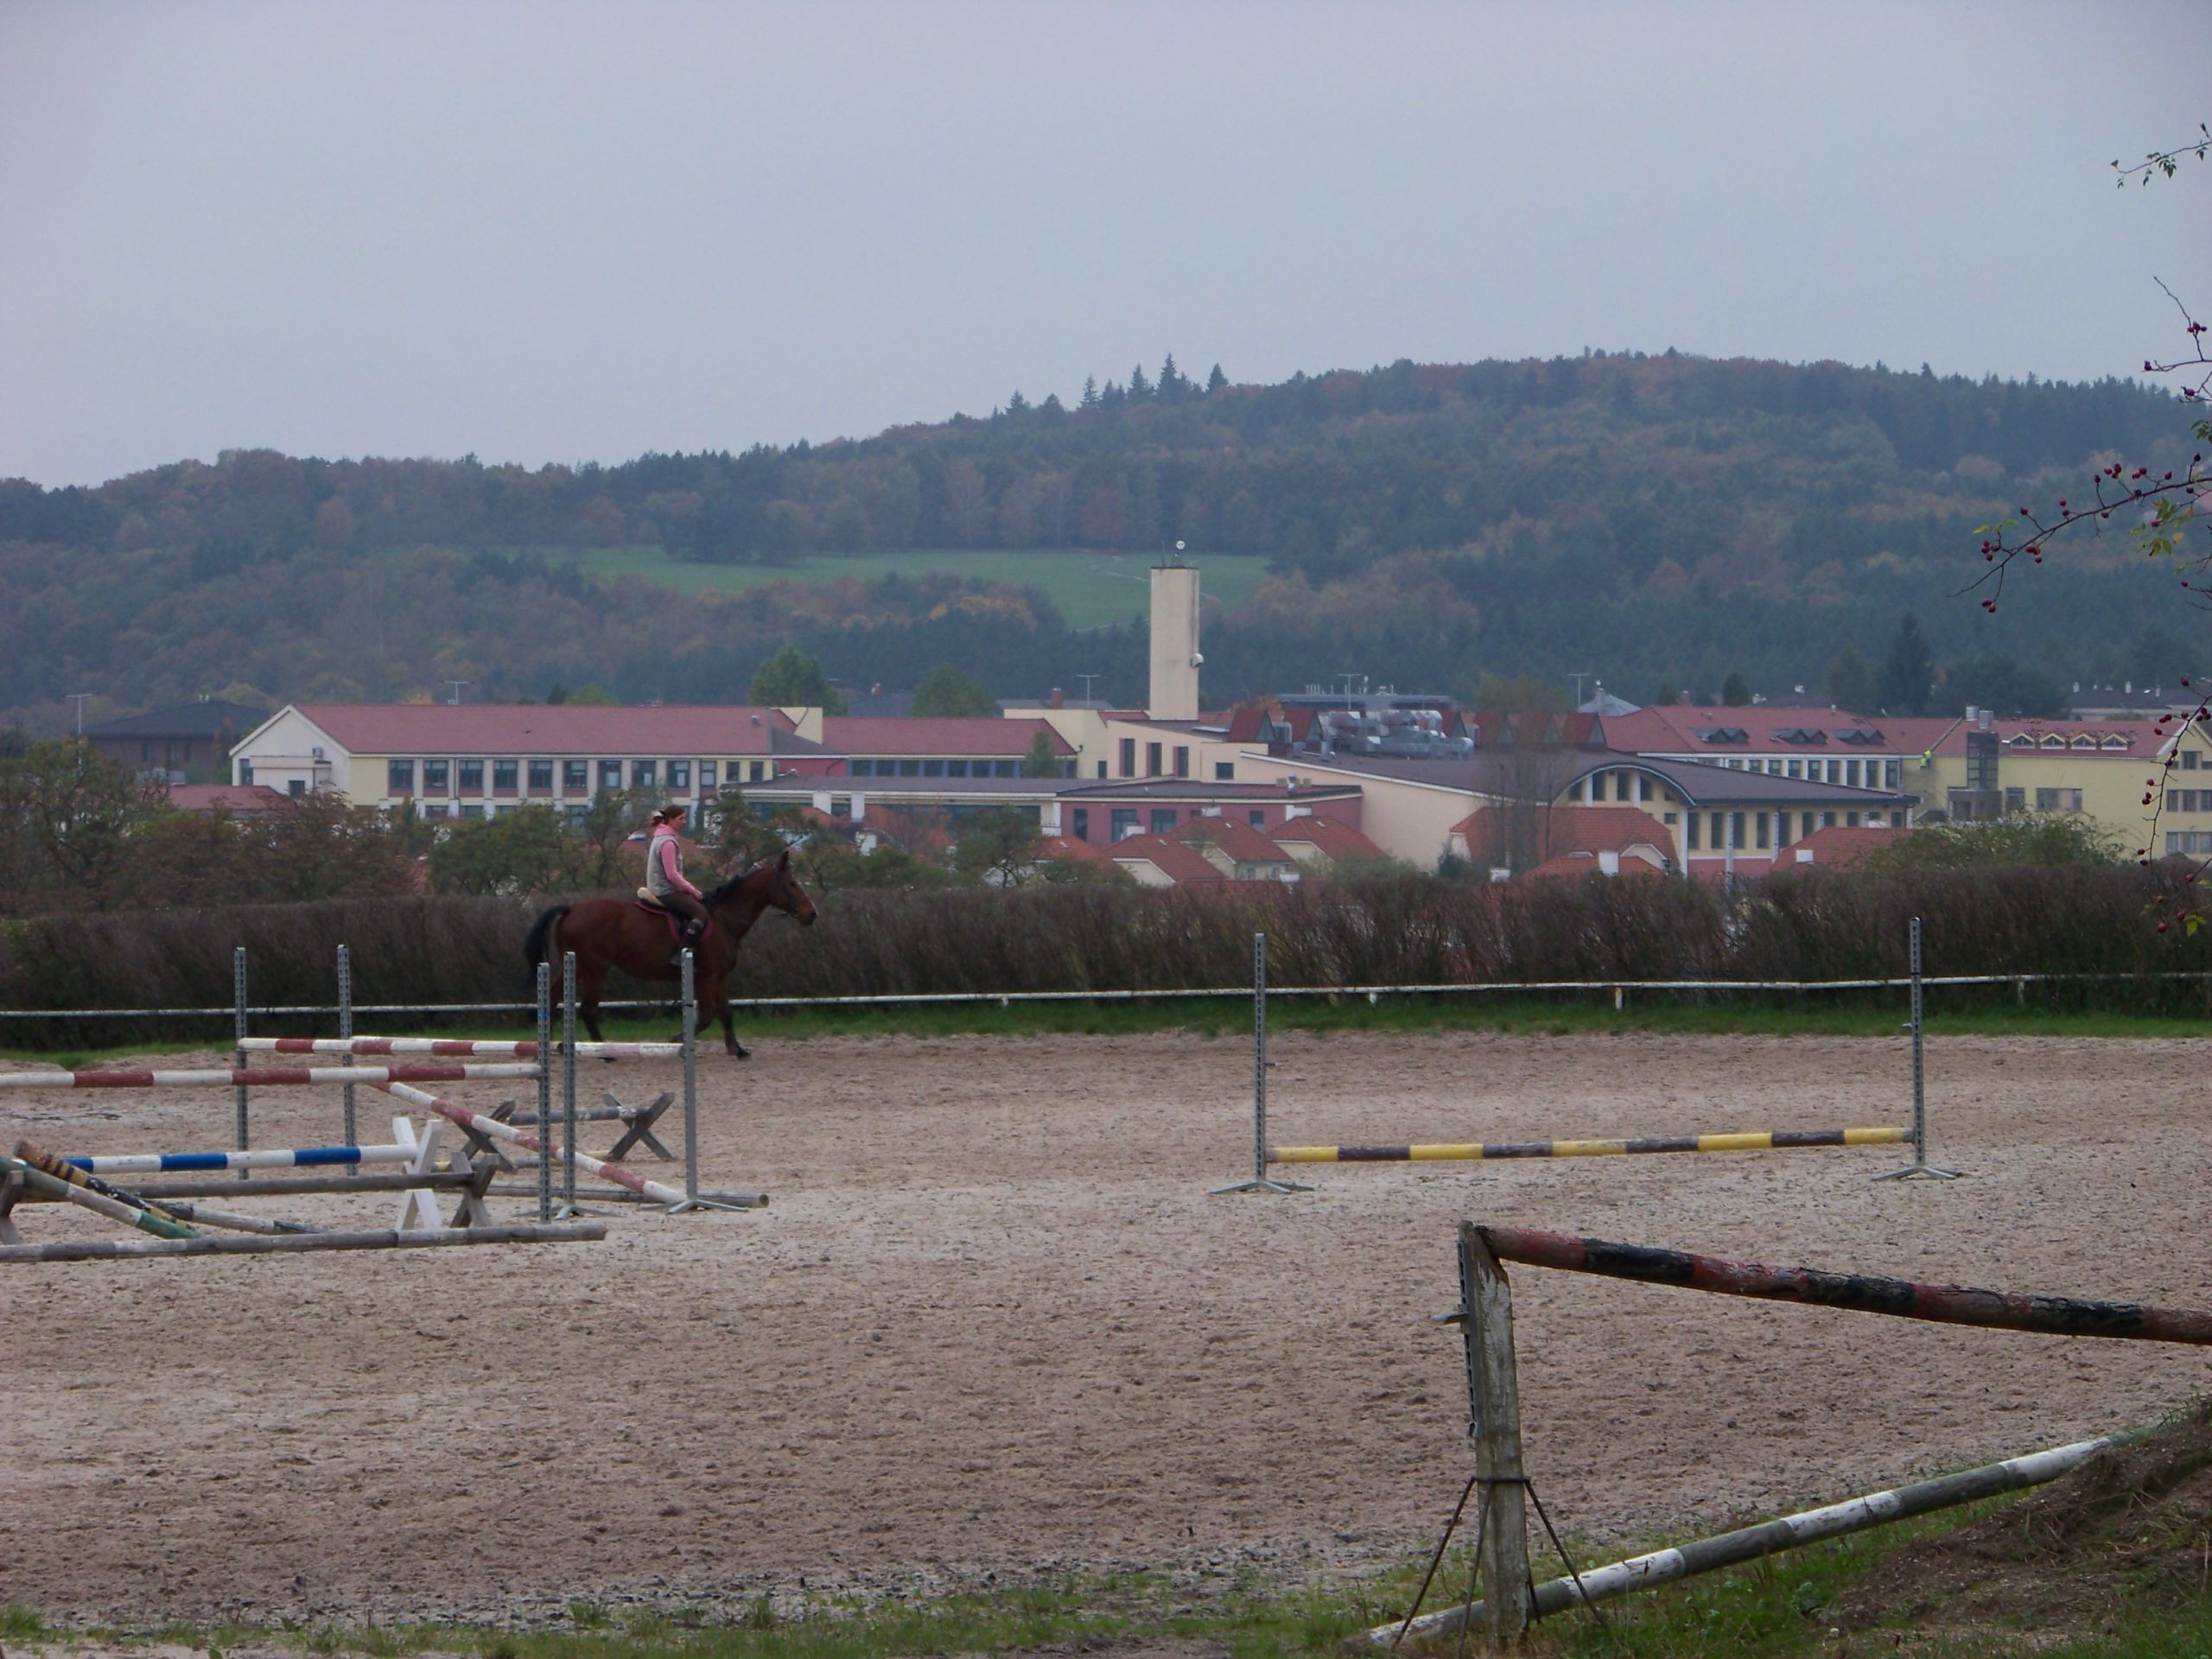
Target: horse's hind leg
pixel 590 982
pixel 718 1000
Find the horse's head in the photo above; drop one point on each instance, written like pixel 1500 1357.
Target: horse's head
pixel 785 894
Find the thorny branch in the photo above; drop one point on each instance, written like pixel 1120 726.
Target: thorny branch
pixel 2164 161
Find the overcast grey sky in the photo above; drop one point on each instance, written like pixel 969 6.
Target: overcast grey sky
pixel 565 232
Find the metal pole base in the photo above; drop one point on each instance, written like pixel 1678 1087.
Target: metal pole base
pixel 703 1204
pixel 1261 1184
pixel 1917 1173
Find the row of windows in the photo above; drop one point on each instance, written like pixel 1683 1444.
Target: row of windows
pixel 1768 831
pixel 907 767
pixel 1155 756
pixel 1852 771
pixel 444 777
pixel 2053 740
pixel 2189 800
pixel 2196 843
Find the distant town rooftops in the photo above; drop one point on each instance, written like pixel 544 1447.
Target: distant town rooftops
pixel 553 728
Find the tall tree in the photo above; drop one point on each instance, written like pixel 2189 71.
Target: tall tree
pixel 1735 690
pixel 1043 760
pixel 1850 681
pixel 946 690
pixel 1217 381
pixel 792 679
pixel 1908 671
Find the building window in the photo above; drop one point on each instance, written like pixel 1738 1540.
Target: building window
pixel 436 810
pixel 1128 757
pixel 932 768
pixel 1124 823
pixel 541 777
pixel 1643 789
pixel 434 776
pixel 503 777
pixel 1163 820
pixel 1257 817
pixel 1735 830
pixel 910 768
pixel 2058 800
pixel 1081 819
pixel 472 811
pixel 472 777
pixel 679 774
pixel 2195 842
pixel 643 774
pixel 576 775
pixel 2189 760
pixel 706 774
pixel 959 768
pixel 1759 830
pixel 1006 768
pixel 246 771
pixel 1182 760
pixel 610 774
pixel 1691 823
pixel 1893 775
pixel 863 768
pixel 1224 772
pixel 574 815
pixel 399 778
pixel 296 788
pixel 1621 782
pixel 1851 819
pixel 760 774
pixel 1151 759
pixel 1102 769
pixel 2016 800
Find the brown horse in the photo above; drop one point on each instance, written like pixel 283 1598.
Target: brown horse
pixel 615 933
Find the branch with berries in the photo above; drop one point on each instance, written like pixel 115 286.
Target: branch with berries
pixel 2167 504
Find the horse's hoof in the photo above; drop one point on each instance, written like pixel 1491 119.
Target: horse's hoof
pixel 741 1053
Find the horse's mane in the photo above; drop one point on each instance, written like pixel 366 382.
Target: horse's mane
pixel 728 888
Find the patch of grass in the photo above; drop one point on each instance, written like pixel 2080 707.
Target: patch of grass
pixel 19 1623
pixel 1090 589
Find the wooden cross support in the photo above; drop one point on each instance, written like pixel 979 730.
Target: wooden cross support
pixel 640 1129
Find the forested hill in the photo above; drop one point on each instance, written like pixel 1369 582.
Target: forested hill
pixel 1648 517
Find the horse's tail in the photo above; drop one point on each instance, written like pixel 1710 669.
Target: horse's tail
pixel 538 944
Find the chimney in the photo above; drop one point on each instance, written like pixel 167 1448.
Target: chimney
pixel 1059 698
pixel 1971 714
pixel 821 802
pixel 1173 692
pixel 860 806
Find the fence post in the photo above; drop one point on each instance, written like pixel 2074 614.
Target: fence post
pixel 345 1029
pixel 1919 1169
pixel 1261 1181
pixel 690 1081
pixel 1494 1419
pixel 545 1084
pixel 568 1064
pixel 237 1055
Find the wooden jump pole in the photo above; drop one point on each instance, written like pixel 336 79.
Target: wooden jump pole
pixel 485 1123
pixel 1472 1150
pixel 268 1077
pixel 177 1163
pixel 454 1047
pixel 2061 1316
pixel 416 1239
pixel 163 1227
pixel 62 1170
pixel 1749 1543
pixel 285 1186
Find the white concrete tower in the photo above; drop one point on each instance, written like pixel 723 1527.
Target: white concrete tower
pixel 1174 689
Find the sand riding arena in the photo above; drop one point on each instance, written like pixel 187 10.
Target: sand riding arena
pixel 992 1322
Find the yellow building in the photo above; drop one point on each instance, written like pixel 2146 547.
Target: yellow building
pixel 2102 769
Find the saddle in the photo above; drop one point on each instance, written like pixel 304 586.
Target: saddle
pixel 653 906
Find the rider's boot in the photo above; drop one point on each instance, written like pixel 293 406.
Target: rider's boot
pixel 689 941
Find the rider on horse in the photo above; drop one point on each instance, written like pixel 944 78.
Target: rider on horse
pixel 664 879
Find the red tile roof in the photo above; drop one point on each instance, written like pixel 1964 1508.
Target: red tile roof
pixel 1560 830
pixel 1333 836
pixel 961 735
pixel 2138 737
pixel 236 798
pixel 1673 728
pixel 1571 865
pixel 1240 841
pixel 496 728
pixel 1180 863
pixel 1067 847
pixel 1836 845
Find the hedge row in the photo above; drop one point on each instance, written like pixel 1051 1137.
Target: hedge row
pixel 1806 925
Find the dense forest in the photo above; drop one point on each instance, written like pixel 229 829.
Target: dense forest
pixel 1656 520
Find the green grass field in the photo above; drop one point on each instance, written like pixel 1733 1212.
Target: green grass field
pixel 1091 589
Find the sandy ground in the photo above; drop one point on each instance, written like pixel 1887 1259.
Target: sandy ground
pixel 992 1324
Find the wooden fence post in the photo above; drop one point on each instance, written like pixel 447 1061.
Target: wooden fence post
pixel 1494 1401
